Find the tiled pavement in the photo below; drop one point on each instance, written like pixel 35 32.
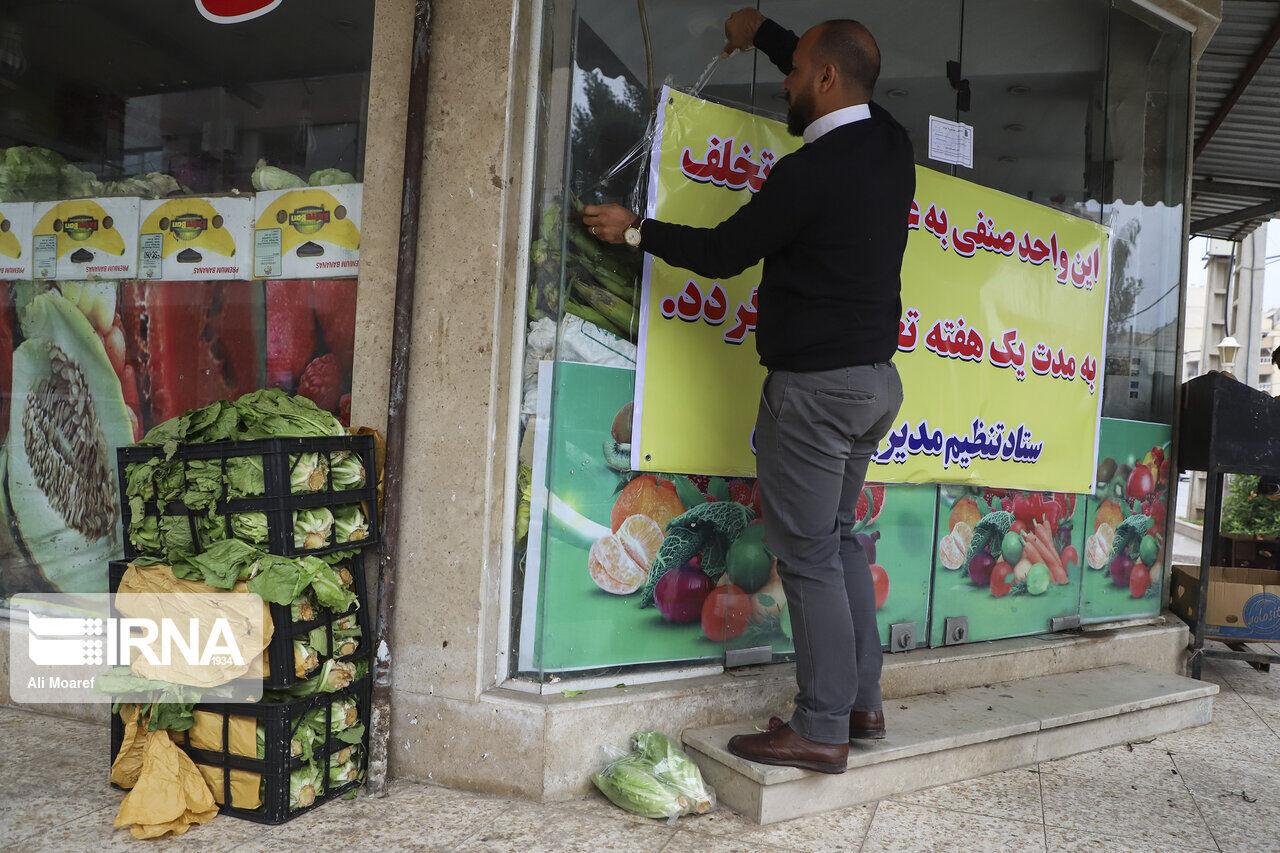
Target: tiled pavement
pixel 1212 788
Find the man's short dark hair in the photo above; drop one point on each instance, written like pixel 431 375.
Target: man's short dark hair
pixel 850 47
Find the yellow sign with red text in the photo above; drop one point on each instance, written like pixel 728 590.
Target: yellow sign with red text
pixel 999 347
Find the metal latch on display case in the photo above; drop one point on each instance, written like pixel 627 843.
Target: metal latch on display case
pixel 753 656
pixel 902 636
pixel 1064 623
pixel 955 630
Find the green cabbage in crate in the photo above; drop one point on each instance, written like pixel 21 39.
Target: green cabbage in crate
pixel 346 637
pixel 348 470
pixel 305 785
pixel 311 527
pixel 344 767
pixel 308 472
pixel 350 523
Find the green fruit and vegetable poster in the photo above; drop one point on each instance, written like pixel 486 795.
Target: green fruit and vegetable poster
pixel 1124 550
pixel 626 568
pixel 1007 560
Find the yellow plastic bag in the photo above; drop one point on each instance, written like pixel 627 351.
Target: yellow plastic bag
pixel 128 761
pixel 170 793
pixel 156 585
pixel 242 732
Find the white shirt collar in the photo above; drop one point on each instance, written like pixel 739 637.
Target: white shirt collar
pixel 837 118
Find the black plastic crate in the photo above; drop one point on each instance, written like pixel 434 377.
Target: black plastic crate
pixel 277 502
pixel 228 771
pixel 280 671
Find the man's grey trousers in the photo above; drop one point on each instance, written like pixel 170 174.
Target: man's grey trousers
pixel 815 434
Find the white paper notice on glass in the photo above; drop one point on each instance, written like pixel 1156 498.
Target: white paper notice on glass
pixel 950 142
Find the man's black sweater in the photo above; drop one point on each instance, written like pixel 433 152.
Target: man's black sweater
pixel 831 225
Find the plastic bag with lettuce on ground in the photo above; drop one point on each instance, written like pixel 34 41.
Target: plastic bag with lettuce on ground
pixel 655 780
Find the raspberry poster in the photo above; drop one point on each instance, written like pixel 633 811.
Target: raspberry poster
pixel 626 567
pixel 1125 551
pixel 89 366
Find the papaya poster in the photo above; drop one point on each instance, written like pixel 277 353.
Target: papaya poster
pixel 89 366
pixel 1000 343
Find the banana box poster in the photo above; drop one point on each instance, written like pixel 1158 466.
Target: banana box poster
pixel 307 233
pixel 196 239
pixel 1000 343
pixel 85 239
pixel 15 239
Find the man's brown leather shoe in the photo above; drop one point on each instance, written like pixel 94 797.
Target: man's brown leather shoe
pixel 866 725
pixel 782 746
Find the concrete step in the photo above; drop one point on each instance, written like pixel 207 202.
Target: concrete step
pixel 939 738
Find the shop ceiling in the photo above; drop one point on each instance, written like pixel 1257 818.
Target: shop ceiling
pixel 1236 171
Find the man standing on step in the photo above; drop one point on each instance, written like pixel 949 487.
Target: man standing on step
pixel 831 226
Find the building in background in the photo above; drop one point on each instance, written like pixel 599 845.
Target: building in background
pixel 1268 373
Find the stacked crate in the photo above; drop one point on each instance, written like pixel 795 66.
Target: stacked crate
pixel 273 760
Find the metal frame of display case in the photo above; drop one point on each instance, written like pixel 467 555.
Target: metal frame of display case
pixel 1226 428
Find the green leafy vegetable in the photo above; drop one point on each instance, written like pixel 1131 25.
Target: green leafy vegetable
pixel 629 782
pixel 169 706
pixel 330 177
pixel 221 565
pixel 308 472
pixel 244 477
pixel 350 523
pixel 346 637
pixel 266 177
pixel 305 659
pixel 992 528
pixel 347 470
pixel 333 676
pixel 674 767
pixel 311 527
pixel 305 785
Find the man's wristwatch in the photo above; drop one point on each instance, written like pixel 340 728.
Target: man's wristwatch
pixel 632 234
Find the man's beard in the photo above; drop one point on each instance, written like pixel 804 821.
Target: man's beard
pixel 799 116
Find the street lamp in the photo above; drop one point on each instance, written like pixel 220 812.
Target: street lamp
pixel 1227 349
